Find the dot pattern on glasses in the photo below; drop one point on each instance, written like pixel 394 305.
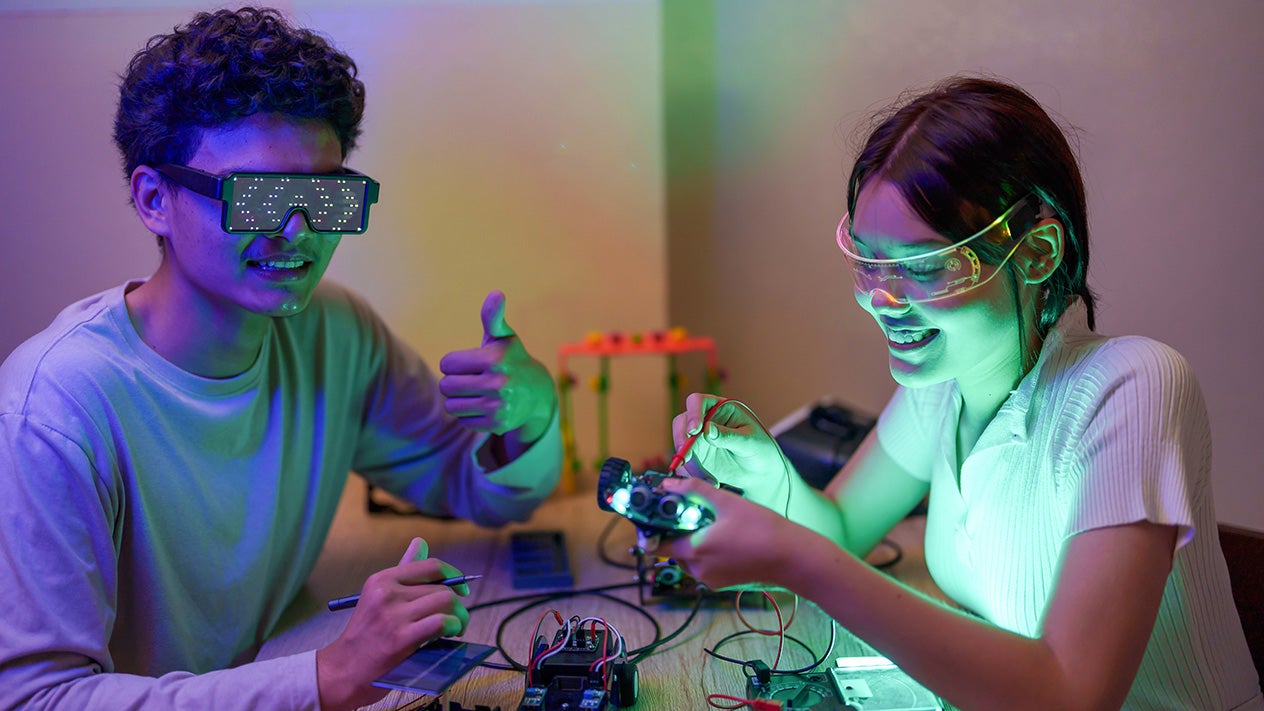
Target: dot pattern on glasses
pixel 333 204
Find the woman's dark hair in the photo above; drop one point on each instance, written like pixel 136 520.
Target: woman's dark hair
pixel 966 150
pixel 225 66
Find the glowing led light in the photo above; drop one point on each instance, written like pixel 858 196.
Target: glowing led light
pixel 690 517
pixel 619 500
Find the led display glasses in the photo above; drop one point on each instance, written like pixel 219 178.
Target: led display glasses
pixel 263 202
pixel 941 273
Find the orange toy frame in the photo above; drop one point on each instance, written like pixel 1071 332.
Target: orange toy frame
pixel 605 346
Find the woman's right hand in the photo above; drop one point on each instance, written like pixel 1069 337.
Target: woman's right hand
pixel 733 448
pixel 748 544
pixel 400 609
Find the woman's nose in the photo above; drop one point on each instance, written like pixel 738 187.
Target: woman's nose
pixel 883 300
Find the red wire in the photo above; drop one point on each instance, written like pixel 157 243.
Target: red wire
pixel 740 701
pixel 789 620
pixel 605 644
pixel 780 632
pixel 535 635
pixel 755 704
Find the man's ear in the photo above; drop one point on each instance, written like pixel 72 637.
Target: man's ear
pixel 152 197
pixel 1041 252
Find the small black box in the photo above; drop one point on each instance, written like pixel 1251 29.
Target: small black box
pixel 820 437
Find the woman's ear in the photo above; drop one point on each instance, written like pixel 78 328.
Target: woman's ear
pixel 152 197
pixel 1041 252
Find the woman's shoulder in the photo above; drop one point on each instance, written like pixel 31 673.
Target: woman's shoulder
pixel 1108 359
pixel 1128 379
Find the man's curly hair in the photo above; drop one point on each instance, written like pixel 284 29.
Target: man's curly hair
pixel 225 66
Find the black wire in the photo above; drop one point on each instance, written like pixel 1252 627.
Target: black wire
pixel 819 660
pixel 601 545
pixel 638 654
pixel 743 663
pixel 559 594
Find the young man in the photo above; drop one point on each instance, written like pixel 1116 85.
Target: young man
pixel 172 450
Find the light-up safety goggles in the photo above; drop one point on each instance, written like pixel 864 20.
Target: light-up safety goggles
pixel 263 202
pixel 941 273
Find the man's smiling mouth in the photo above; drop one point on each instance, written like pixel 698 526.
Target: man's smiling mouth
pixel 277 264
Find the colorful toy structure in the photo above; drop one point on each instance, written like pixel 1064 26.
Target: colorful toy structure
pixel 605 346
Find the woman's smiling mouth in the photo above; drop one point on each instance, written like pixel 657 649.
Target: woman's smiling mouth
pixel 904 339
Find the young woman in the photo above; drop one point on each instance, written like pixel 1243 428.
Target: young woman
pixel 1068 473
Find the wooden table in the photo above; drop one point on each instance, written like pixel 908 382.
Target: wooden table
pixel 676 677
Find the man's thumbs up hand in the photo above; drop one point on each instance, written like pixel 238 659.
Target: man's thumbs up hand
pixel 498 387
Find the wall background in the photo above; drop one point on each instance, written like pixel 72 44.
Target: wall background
pixel 636 164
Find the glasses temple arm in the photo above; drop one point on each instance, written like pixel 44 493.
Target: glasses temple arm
pixel 198 181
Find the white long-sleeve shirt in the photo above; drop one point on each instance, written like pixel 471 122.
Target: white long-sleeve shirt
pixel 155 524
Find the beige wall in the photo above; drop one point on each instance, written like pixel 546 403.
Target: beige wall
pixel 1168 95
pixel 517 145
pixel 520 147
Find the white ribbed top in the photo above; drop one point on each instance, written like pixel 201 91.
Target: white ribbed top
pixel 1102 432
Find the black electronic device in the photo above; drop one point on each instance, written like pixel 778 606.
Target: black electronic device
pixel 666 577
pixel 819 438
pixel 565 679
pixel 663 580
pixel 868 683
pixel 641 499
pixel 798 692
pixel 877 684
